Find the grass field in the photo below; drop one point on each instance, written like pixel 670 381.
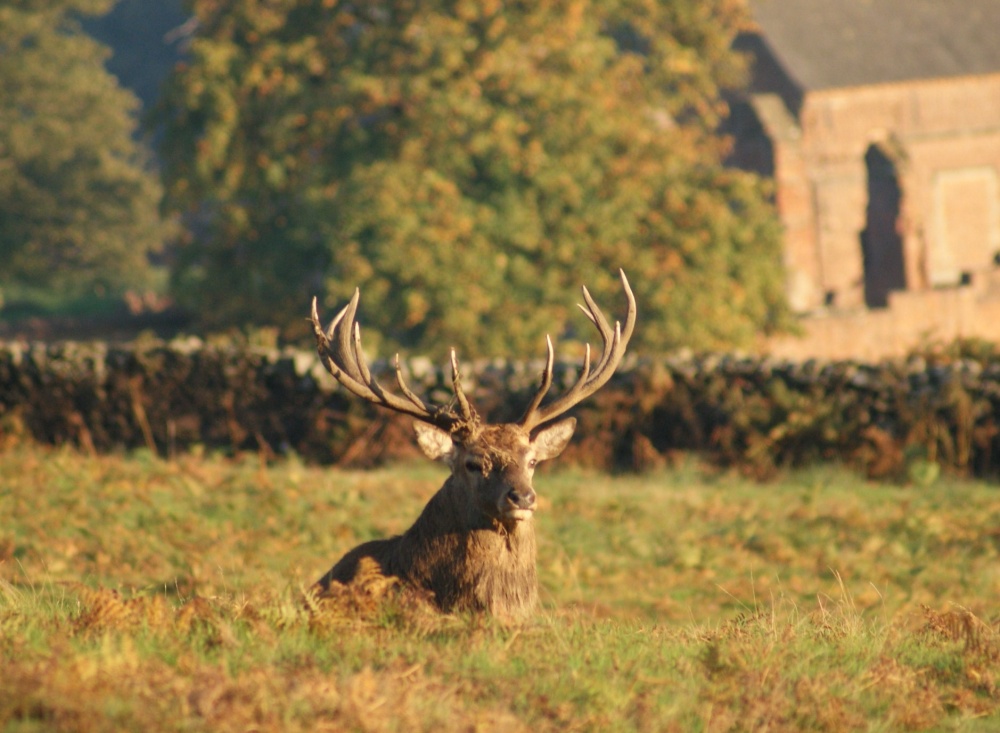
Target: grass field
pixel 140 594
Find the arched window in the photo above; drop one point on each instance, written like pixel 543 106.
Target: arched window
pixel 881 243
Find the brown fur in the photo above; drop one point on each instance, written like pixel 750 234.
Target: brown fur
pixel 473 546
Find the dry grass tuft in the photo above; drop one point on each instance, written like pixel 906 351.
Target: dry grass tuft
pixel 373 599
pixel 979 638
pixel 103 609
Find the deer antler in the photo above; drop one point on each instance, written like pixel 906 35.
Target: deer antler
pixel 339 348
pixel 588 382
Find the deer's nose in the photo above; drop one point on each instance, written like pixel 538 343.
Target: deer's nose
pixel 523 498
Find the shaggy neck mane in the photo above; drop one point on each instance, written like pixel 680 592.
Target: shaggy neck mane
pixel 483 565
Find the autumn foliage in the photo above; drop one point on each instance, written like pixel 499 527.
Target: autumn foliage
pixel 467 164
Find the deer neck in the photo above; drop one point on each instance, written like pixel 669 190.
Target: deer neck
pixel 468 562
pixel 449 518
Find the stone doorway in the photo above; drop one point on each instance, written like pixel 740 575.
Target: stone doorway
pixel 881 242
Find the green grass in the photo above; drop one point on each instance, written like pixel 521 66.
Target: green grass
pixel 141 594
pixel 19 301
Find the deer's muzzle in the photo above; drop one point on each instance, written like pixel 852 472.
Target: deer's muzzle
pixel 518 503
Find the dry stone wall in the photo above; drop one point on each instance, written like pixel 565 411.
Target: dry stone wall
pixel 896 418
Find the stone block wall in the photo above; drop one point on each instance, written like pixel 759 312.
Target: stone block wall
pixel 944 137
pixel 941 138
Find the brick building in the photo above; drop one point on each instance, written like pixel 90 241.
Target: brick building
pixel 879 121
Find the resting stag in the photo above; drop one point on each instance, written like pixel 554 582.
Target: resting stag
pixel 473 545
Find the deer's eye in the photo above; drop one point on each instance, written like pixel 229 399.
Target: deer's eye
pixel 473 466
pixel 532 463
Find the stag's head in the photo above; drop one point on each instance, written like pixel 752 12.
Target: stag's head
pixel 492 465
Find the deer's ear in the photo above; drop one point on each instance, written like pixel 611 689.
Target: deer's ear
pixel 434 442
pixel 550 441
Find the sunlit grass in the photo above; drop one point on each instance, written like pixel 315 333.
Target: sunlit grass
pixel 142 594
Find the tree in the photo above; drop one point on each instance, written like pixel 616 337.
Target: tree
pixel 78 202
pixel 469 163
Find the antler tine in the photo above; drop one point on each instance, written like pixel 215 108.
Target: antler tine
pixel 468 413
pixel 405 389
pixel 631 313
pixel 588 381
pixel 343 336
pixel 359 357
pixel 333 324
pixel 593 312
pixel 323 339
pixel 340 350
pixel 358 354
pixel 546 382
